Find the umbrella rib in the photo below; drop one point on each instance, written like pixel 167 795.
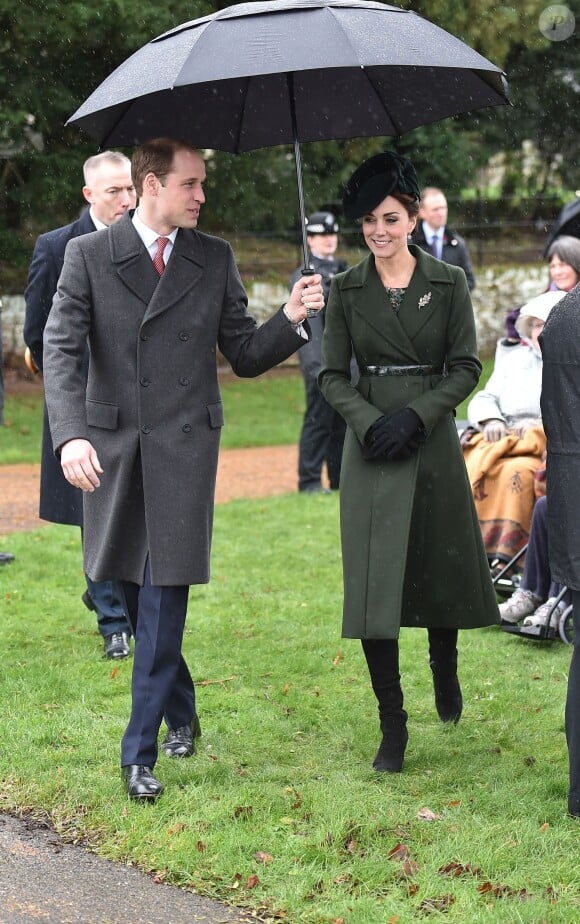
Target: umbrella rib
pixel 242 113
pixel 394 122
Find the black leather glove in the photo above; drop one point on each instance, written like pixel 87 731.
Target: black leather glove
pixel 395 436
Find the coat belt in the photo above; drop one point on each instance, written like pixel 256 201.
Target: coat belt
pixel 399 370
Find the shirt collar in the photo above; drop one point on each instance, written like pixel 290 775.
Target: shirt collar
pixel 99 225
pixel 147 234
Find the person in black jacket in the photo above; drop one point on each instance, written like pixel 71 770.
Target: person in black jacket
pixel 110 193
pixel 323 429
pixel 5 557
pixel 433 234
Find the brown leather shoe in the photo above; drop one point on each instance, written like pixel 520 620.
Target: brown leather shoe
pixel 141 784
pixel 180 742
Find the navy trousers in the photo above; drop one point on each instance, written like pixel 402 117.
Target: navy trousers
pixel 537 576
pixel 161 685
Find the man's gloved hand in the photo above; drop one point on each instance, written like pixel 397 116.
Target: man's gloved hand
pixel 394 437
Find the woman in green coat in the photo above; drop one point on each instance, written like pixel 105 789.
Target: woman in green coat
pixel 411 542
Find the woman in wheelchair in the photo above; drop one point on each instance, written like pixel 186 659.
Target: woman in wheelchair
pixel 504 445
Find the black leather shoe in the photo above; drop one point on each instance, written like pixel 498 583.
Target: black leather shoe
pixel 180 742
pixel 5 557
pixel 88 601
pixel 141 784
pixel 117 646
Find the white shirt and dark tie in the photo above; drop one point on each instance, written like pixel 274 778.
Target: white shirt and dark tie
pixel 434 239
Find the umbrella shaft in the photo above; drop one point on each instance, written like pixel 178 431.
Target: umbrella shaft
pixel 298 162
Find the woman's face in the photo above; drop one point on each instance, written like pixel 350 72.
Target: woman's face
pixel 562 274
pixel 387 228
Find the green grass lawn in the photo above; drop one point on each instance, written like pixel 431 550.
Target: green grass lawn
pixel 259 412
pixel 280 810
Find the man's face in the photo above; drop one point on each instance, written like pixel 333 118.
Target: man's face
pixel 323 245
pixel 175 199
pixel 434 211
pixel 110 191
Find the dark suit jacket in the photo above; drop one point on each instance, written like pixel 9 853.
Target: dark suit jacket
pixel 152 405
pixel 455 251
pixel 59 501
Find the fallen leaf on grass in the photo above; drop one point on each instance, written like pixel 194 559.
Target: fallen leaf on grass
pixel 544 827
pixel 262 857
pixel 208 683
pixel 427 814
pixel 428 905
pixel 201 846
pixel 460 869
pixel 115 673
pixel 252 882
pixel 177 828
pixel 338 658
pixel 399 852
pixel 350 845
pixel 242 811
pixel 407 870
pixel 393 919
pixel 502 891
pixel 285 689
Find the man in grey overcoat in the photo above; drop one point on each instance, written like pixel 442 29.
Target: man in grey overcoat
pixel 156 299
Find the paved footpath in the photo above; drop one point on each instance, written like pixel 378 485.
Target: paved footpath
pixel 43 879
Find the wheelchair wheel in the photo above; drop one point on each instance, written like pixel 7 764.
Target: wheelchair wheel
pixel 566 626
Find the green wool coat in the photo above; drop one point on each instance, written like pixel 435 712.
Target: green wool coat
pixel 411 543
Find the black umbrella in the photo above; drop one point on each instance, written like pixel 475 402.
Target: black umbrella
pixel 260 74
pixel 567 222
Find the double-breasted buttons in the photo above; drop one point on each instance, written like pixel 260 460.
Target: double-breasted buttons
pixel 144 381
pixel 146 428
pixel 184 381
pixel 143 336
pixel 183 335
pixel 186 428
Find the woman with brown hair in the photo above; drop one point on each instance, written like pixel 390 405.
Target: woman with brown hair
pixel 411 543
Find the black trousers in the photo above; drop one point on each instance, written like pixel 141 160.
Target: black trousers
pixel 321 440
pixel 161 684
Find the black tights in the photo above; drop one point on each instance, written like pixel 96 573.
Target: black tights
pixel 382 655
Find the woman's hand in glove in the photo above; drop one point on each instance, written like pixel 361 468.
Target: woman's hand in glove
pixel 394 436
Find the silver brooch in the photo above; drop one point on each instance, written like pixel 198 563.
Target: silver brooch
pixel 424 300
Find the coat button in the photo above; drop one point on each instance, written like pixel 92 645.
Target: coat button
pixel 184 381
pixel 143 336
pixel 183 335
pixel 145 382
pixel 146 428
pixel 186 428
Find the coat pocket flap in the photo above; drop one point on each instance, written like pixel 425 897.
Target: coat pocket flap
pixel 101 414
pixel 216 415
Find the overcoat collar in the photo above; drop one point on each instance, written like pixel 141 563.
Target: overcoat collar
pixel 136 270
pixel 426 293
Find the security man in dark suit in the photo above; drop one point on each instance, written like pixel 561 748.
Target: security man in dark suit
pixel 110 193
pixel 323 429
pixel 433 235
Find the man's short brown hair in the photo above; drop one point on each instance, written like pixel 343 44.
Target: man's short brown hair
pixel 155 156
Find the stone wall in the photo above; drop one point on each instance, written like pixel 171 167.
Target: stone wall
pixel 496 294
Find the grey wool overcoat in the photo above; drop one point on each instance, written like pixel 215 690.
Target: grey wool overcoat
pixel 152 406
pixel 560 401
pixel 411 542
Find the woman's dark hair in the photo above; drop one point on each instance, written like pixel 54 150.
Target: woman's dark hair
pixel 409 203
pixel 567 249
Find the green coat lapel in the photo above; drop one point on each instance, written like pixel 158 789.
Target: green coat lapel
pixel 428 292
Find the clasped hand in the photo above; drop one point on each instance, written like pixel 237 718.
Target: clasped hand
pixel 80 465
pixel 395 436
pixel 306 295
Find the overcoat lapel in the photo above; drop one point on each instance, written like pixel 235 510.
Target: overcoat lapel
pixel 136 270
pixel 184 270
pixel 426 295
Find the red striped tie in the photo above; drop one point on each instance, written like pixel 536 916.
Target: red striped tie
pixel 158 261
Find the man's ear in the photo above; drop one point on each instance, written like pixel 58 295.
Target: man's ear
pixel 88 193
pixel 151 184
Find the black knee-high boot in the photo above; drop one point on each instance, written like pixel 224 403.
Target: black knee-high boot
pixel 443 663
pixel 383 662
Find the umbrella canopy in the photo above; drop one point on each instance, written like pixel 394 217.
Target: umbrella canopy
pixel 567 222
pixel 287 71
pixel 358 69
